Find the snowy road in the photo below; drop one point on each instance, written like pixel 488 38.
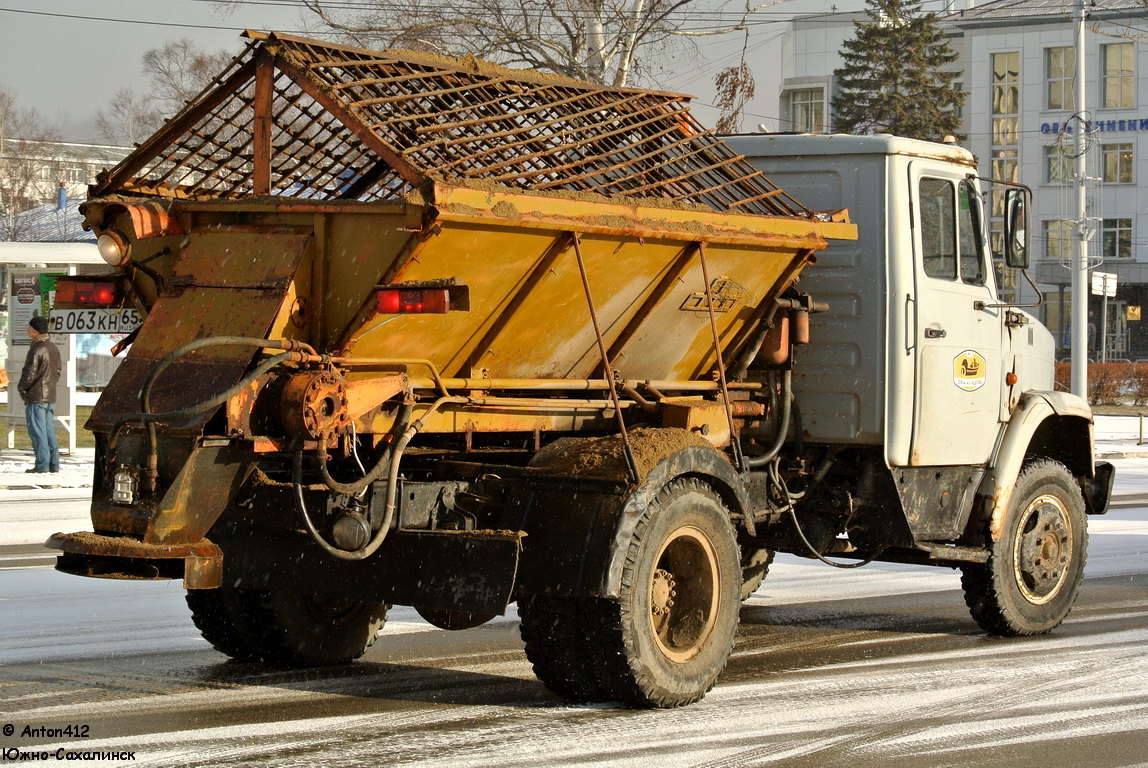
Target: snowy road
pixel 878 667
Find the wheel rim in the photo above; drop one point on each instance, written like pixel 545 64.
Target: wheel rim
pixel 1042 550
pixel 684 594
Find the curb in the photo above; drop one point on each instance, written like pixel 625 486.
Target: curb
pixel 43 487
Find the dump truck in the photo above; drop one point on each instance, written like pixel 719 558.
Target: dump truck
pixel 432 332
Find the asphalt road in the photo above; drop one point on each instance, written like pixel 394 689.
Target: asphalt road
pixel 861 679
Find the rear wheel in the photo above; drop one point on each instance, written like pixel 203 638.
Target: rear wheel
pixel 289 628
pixel 666 638
pixel 1036 566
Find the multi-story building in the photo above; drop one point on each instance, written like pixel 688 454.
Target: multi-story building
pixel 33 173
pixel 1017 65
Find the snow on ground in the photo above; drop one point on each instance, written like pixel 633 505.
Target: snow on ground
pixel 65 616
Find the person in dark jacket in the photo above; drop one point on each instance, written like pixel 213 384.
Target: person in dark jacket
pixel 38 389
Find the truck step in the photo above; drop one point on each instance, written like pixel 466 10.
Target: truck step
pixel 961 554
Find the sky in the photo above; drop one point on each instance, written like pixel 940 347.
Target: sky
pixel 66 58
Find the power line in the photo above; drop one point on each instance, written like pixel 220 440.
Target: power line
pixel 133 21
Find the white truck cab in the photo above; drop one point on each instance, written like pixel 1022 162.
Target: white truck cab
pixel 920 366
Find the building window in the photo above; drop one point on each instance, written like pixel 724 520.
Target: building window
pixel 1117 163
pixel 1058 169
pixel 1005 163
pixel 807 110
pixel 1006 83
pixel 1118 74
pixel 1059 75
pixel 1117 239
pixel 1058 240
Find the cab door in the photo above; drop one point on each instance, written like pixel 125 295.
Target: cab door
pixel 958 339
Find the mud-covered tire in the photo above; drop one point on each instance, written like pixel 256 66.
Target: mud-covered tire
pixel 222 616
pixel 667 636
pixel 286 628
pixel 755 562
pixel 559 634
pixel 1037 564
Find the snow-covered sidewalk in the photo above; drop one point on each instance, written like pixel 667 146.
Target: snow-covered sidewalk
pixel 75 471
pixel 1117 438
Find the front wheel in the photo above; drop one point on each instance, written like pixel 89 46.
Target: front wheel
pixel 1036 565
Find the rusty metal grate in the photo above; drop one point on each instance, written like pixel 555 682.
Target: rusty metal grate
pixel 301 118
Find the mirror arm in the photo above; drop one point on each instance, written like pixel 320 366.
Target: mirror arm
pixel 1039 298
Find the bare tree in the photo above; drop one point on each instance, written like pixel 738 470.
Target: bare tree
pixel 28 170
pixel 128 119
pixel 603 41
pixel 178 70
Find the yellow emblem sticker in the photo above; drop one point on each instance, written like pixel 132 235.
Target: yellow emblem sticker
pixel 969 371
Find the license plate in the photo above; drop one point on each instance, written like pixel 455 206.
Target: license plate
pixel 94 320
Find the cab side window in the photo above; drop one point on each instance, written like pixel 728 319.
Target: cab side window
pixel 971 240
pixel 938 228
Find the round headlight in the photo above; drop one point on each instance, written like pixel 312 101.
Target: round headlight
pixel 113 248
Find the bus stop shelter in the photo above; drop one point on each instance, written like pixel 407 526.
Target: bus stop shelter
pixel 30 268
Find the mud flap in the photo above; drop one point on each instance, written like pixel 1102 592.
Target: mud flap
pixel 579 529
pixel 470 571
pixel 1097 490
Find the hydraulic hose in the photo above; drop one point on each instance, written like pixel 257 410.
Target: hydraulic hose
pixel 789 498
pixel 368 477
pixel 392 458
pixel 757 462
pixel 297 351
pixel 211 402
pixel 290 345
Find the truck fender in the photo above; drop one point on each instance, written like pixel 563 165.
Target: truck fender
pixel 1053 424
pixel 578 529
pixel 706 464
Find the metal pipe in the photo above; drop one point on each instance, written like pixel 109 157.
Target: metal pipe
pixel 642 402
pixel 581 385
pixel 439 382
pixel 607 368
pixel 1079 341
pixel 734 442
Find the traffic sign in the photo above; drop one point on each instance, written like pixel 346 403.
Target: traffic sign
pixel 1103 284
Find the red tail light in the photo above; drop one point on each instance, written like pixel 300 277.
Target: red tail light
pixel 90 293
pixel 413 301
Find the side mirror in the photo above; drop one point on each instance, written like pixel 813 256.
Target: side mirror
pixel 1016 229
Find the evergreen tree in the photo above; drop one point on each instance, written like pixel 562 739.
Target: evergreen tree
pixel 893 78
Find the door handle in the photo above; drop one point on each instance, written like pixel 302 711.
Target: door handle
pixel 935 333
pixel 910 325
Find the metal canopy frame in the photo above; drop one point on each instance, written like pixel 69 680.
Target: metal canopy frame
pixel 299 118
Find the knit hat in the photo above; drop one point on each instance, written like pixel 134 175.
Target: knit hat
pixel 39 324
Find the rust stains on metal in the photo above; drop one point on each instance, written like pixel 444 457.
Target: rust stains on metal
pixel 299 118
pixel 198 563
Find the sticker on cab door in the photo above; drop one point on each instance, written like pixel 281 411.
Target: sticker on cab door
pixel 969 371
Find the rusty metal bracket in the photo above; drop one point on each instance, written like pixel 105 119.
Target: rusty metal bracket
pixel 199 564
